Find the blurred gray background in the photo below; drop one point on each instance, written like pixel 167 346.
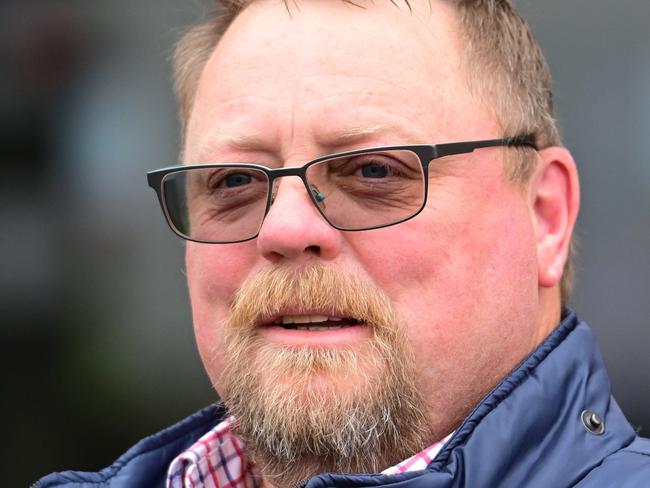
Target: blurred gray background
pixel 97 347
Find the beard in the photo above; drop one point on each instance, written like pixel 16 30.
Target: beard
pixel 302 411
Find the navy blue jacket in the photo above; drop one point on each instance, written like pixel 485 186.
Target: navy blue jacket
pixel 529 431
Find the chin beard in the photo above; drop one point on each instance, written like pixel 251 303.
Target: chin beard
pixel 303 411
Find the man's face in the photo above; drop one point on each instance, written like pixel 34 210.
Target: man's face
pixel 280 90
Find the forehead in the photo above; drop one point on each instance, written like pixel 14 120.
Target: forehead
pixel 328 68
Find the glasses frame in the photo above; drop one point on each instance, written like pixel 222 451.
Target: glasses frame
pixel 426 153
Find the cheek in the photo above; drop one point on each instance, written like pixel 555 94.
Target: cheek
pixel 214 273
pixel 461 280
pixel 474 247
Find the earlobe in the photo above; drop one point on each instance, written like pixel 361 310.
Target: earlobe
pixel 556 200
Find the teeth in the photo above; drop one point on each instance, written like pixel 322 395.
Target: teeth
pixel 306 319
pixel 312 322
pixel 317 318
pixel 318 327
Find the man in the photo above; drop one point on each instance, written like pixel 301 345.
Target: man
pixel 379 216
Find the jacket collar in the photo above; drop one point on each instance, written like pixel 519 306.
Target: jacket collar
pixel 532 414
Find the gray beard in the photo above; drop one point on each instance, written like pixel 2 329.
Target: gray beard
pixel 294 430
pixel 303 411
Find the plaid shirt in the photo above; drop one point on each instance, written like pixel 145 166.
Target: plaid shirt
pixel 218 460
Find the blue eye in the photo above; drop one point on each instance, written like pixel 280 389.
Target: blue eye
pixel 237 179
pixel 374 171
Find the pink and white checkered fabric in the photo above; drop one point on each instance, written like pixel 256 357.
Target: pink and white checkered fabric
pixel 218 460
pixel 419 461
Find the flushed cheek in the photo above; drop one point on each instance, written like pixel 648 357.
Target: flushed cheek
pixel 457 282
pixel 403 259
pixel 214 273
pixel 485 290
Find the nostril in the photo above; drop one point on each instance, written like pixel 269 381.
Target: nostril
pixel 313 250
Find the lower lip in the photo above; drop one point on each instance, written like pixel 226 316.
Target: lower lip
pixel 315 338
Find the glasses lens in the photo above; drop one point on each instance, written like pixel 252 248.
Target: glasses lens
pixel 368 190
pixel 222 204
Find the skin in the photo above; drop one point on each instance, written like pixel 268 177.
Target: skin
pixel 475 277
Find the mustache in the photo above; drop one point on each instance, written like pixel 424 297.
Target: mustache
pixel 314 288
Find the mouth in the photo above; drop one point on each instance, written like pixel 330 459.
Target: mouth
pixel 314 329
pixel 314 322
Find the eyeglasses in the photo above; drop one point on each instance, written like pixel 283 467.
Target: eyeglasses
pixel 353 191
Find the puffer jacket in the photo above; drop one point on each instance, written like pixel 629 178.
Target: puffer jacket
pixel 552 422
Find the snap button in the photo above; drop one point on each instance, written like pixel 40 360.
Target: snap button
pixel 592 422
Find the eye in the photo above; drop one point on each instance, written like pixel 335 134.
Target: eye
pixel 237 179
pixel 371 168
pixel 374 170
pixel 223 179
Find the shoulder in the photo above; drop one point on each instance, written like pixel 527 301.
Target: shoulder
pixel 146 463
pixel 628 467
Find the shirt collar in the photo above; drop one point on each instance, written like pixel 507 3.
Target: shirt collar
pixel 218 460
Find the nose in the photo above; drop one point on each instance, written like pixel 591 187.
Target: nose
pixel 294 230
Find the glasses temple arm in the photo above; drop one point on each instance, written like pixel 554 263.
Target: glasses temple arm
pixel 467 147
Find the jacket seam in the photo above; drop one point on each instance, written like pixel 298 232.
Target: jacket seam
pixel 637 452
pixel 600 463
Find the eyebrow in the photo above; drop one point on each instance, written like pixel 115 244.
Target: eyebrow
pixel 331 140
pixel 238 142
pixel 363 136
pixel 350 136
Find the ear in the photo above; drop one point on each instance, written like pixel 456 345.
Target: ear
pixel 556 200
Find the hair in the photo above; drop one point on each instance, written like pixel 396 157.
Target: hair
pixel 505 66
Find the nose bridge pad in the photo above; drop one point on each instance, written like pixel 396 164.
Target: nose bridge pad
pixel 316 193
pixel 276 185
pixel 274 191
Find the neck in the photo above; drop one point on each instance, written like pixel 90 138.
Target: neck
pixel 550 313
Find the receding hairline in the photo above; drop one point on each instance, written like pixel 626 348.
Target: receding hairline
pixel 504 63
pixel 203 40
pixel 428 27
